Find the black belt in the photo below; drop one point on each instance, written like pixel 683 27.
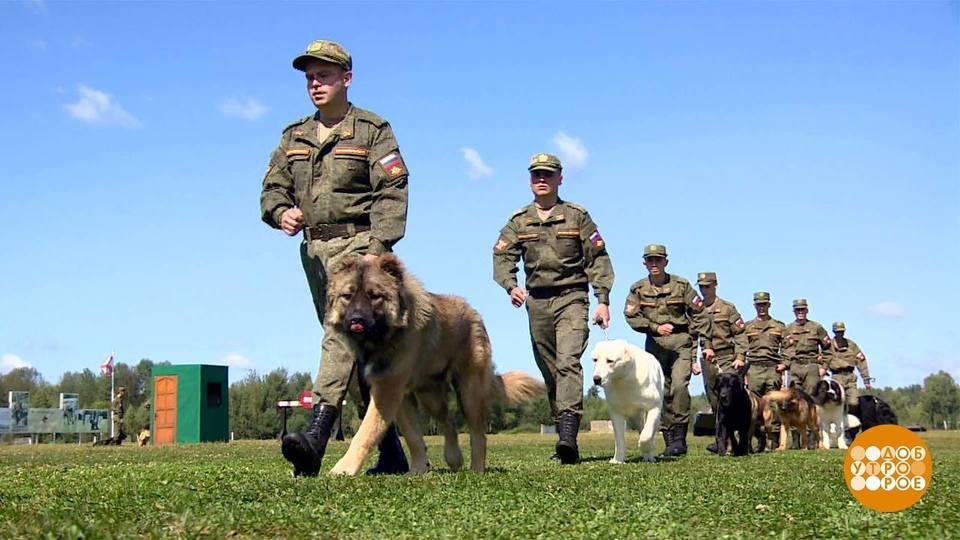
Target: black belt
pixel 329 231
pixel 549 292
pixel 842 370
pixel 719 350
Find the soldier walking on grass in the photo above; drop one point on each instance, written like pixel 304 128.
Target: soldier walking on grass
pixel 562 252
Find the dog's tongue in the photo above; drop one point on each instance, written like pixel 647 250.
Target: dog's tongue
pixel 357 328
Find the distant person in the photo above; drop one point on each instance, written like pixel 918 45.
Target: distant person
pixel 727 325
pixel 806 348
pixel 667 309
pixel 846 357
pixel 761 345
pixel 337 176
pixel 119 409
pixel 563 253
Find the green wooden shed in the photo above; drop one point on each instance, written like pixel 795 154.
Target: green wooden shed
pixel 191 403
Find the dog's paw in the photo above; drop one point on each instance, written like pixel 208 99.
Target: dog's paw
pixel 649 458
pixel 342 469
pixel 616 461
pixel 420 468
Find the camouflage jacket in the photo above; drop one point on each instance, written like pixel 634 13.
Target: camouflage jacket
pixel 806 342
pixel 676 303
pixel 118 408
pixel 847 355
pixel 564 249
pixel 727 325
pixel 356 175
pixel 761 341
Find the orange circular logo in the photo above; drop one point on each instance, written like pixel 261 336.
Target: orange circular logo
pixel 888 468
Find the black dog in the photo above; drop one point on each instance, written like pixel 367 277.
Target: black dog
pixel 740 415
pixel 874 411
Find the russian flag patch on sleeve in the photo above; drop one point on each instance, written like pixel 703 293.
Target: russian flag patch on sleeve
pixel 393 164
pixel 596 239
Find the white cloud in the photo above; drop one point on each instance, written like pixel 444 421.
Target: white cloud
pixel 237 361
pixel 97 107
pixel 476 168
pixel 10 362
pixel 246 108
pixel 573 154
pixel 40 6
pixel 890 310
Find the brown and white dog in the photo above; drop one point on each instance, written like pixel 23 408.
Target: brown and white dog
pixel 798 411
pixel 831 403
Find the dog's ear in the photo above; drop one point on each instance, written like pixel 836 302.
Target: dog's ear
pixel 390 264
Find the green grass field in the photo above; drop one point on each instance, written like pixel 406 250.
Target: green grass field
pixel 245 489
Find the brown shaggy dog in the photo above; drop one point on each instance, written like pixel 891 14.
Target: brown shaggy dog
pixel 415 345
pixel 798 411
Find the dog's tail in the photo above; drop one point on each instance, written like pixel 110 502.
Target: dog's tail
pixel 515 387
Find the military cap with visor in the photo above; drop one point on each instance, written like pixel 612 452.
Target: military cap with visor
pixel 325 51
pixel 545 162
pixel 707 278
pixel 800 303
pixel 655 250
pixel 839 327
pixel 761 297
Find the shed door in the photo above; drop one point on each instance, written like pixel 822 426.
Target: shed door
pixel 165 409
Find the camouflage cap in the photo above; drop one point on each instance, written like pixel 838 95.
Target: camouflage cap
pixel 122 389
pixel 326 51
pixel 800 303
pixel 547 162
pixel 655 250
pixel 761 297
pixel 839 327
pixel 707 278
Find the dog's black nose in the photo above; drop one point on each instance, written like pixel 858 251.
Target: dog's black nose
pixel 596 380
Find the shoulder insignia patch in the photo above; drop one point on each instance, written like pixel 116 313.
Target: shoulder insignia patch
pixel 697 301
pixel 596 239
pixel 739 323
pixel 392 164
pixel 630 309
pixel 861 356
pixel 501 245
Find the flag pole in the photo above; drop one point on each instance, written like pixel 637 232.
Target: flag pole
pixel 112 358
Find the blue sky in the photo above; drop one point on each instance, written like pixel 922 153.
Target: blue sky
pixel 809 149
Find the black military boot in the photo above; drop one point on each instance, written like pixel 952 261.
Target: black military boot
pixel 794 439
pixel 392 460
pixel 678 443
pixel 568 425
pixel 305 450
pixel 712 447
pixel 667 441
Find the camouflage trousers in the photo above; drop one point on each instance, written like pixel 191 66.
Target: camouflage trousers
pixel 558 333
pixel 337 356
pixel 722 362
pixel 805 375
pixel 764 378
pixel 849 383
pixel 117 424
pixel 675 354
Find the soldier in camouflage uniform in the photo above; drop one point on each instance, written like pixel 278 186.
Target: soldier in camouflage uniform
pixel 562 252
pixel 846 357
pixel 727 325
pixel 806 349
pixel 667 309
pixel 119 409
pixel 337 175
pixel 761 346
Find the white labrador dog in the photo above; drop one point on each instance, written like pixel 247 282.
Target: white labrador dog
pixel 633 384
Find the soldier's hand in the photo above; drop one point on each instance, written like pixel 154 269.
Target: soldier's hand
pixel 369 257
pixel 518 295
pixel 602 316
pixel 695 368
pixel 709 354
pixel 823 372
pixel 665 329
pixel 868 386
pixel 291 221
pixel 781 368
pixel 737 364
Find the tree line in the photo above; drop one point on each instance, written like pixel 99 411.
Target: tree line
pixel 253 413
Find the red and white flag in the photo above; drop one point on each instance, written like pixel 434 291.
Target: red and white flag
pixel 107 367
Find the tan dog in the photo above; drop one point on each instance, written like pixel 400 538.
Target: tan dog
pixel 797 410
pixel 416 344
